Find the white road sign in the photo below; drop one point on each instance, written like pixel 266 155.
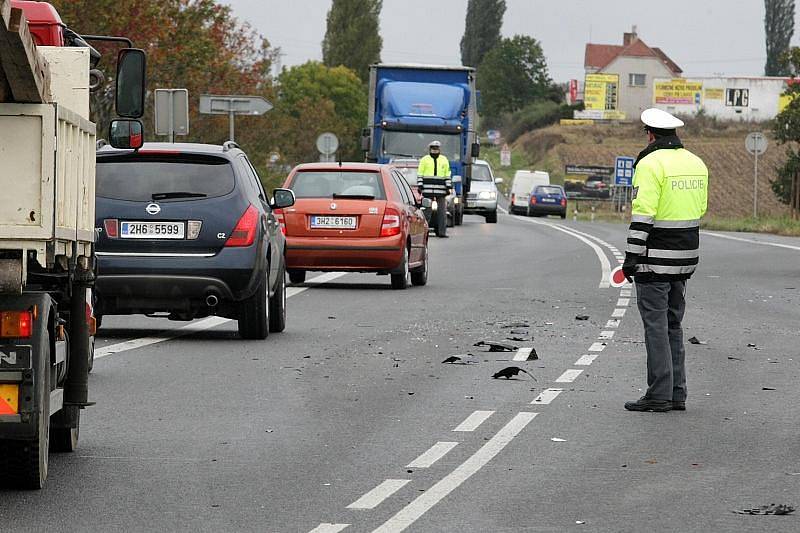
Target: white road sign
pixel 327 143
pixel 756 143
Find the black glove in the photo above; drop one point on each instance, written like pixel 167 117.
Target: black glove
pixel 629 266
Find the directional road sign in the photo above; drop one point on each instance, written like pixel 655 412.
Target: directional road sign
pixel 623 171
pixel 232 105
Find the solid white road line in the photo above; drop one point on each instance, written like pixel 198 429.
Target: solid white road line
pixel 569 376
pixel 613 323
pixel 434 453
pixel 474 420
pixel 329 528
pixel 522 354
pixel 425 501
pixel 547 396
pixel 597 347
pixel 753 241
pixel 502 210
pixel 586 360
pixel 605 335
pixel 605 265
pixel 618 313
pixel 374 497
pixel 188 329
pixel 200 325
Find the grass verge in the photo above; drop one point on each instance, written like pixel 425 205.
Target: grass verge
pixel 775 225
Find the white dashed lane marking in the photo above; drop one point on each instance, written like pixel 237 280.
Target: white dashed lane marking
pixel 474 420
pixel 619 313
pixel 547 396
pixel 623 302
pixel 329 528
pixel 597 347
pixel 522 354
pixel 569 375
pixel 586 360
pixel 434 453
pixel 374 497
pixel 612 323
pixel 425 501
pixel 626 293
pixel 605 335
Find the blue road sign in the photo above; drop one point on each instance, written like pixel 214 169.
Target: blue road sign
pixel 623 171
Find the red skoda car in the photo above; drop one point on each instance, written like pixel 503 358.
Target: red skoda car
pixel 355 217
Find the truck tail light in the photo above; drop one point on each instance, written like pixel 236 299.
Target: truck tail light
pixel 281 218
pixel 391 223
pixel 112 227
pixel 244 234
pixel 16 324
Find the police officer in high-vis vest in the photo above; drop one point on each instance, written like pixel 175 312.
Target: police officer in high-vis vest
pixel 670 196
pixel 433 180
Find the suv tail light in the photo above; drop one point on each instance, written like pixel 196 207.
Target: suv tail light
pixel 244 234
pixel 16 324
pixel 111 226
pixel 391 223
pixel 279 216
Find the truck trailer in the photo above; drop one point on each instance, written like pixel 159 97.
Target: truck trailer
pixel 47 263
pixel 412 105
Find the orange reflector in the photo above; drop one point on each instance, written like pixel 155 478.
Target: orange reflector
pixel 92 326
pixel 9 399
pixel 16 324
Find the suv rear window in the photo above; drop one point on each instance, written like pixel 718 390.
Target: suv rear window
pixel 315 184
pixel 138 178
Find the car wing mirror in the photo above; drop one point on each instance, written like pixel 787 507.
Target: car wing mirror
pixel 126 134
pixel 131 82
pixel 498 181
pixel 282 198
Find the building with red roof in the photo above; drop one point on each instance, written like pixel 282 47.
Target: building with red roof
pixel 635 65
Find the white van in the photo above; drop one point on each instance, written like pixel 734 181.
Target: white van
pixel 524 182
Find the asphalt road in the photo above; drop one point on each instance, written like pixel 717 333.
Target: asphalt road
pixel 348 421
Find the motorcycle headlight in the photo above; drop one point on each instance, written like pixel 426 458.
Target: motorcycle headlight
pixel 487 195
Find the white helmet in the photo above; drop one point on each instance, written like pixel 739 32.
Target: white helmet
pixel 660 119
pixel 435 144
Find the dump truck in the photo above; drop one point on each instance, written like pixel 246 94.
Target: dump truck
pixel 47 262
pixel 411 105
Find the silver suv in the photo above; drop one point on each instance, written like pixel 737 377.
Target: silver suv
pixel 482 196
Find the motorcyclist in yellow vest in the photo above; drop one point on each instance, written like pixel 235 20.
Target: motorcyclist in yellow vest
pixel 670 196
pixel 433 180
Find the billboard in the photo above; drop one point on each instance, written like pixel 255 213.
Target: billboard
pixel 678 91
pixel 600 92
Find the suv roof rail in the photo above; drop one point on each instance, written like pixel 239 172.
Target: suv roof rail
pixel 227 145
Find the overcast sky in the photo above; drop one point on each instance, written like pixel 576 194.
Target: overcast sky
pixel 705 37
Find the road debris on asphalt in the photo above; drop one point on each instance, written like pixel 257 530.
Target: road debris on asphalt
pixel 461 359
pixel 581 317
pixel 515 325
pixel 768 388
pixel 781 509
pixel 695 340
pixel 557 439
pixel 510 372
pixel 752 345
pixel 495 346
pixel 732 358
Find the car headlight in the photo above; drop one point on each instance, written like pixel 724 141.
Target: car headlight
pixel 487 195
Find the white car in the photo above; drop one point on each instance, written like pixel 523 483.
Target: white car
pixel 482 195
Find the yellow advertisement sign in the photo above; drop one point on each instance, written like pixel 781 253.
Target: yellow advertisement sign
pixel 600 92
pixel 678 91
pixel 714 94
pixel 783 101
pixel 576 122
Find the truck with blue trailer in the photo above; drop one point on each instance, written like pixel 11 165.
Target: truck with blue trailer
pixel 412 105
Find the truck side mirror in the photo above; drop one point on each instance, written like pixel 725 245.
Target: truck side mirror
pixel 366 141
pixel 126 134
pixel 131 82
pixel 476 150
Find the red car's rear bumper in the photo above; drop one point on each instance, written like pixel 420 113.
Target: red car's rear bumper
pixel 344 254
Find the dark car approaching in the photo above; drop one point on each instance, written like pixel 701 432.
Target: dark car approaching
pixel 187 231
pixel 548 200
